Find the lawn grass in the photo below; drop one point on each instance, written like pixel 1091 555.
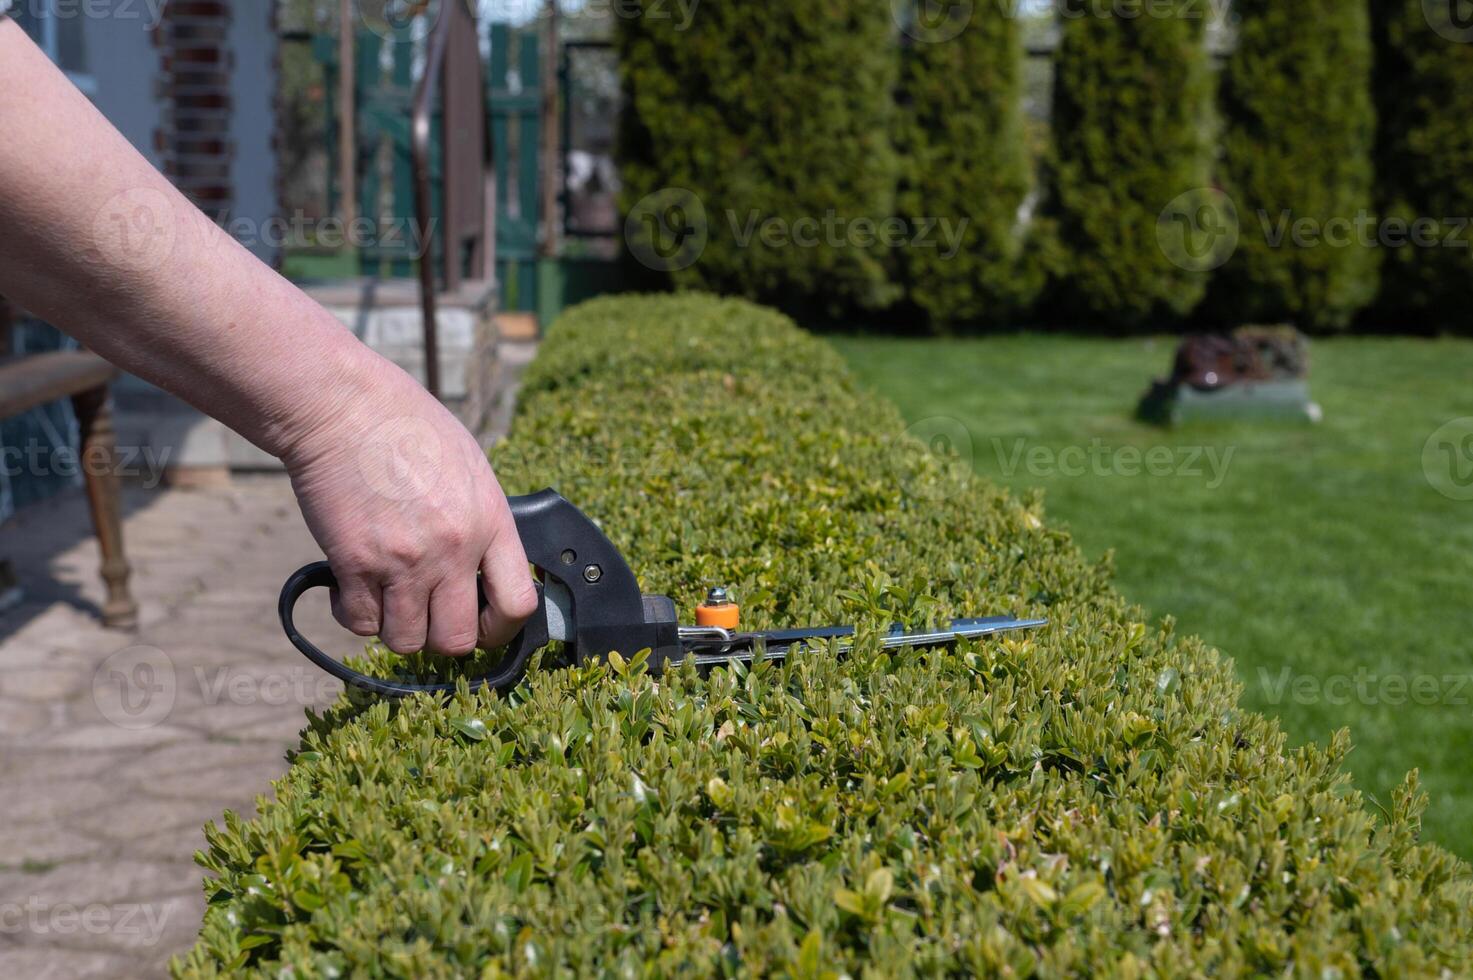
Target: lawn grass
pixel 1320 558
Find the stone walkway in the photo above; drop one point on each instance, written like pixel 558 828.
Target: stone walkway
pixel 116 748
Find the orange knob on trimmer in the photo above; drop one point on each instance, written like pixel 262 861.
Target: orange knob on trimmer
pixel 718 610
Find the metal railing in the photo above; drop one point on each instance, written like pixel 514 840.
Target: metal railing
pixel 453 79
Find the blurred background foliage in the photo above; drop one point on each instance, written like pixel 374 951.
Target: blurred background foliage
pixel 1062 137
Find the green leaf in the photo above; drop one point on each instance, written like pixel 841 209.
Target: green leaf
pixel 473 728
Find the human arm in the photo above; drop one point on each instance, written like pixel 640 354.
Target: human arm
pixel 394 489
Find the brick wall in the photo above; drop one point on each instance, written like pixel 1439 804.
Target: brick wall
pixel 196 63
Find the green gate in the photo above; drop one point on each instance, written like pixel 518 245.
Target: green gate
pixel 384 90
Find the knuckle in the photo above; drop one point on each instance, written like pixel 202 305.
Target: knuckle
pixel 455 537
pixel 517 604
pixel 357 621
pixel 351 561
pixel 402 643
pixel 361 625
pixel 356 612
pixel 458 643
pixel 404 552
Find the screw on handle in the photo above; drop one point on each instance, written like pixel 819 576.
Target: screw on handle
pixel 507 674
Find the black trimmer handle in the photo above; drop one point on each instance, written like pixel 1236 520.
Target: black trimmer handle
pixel 507 674
pixel 566 547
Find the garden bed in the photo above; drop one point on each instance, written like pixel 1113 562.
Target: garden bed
pixel 1084 799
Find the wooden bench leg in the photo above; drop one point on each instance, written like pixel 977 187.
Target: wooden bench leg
pixel 99 464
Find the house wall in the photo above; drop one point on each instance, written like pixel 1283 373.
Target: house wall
pixel 253 45
pixel 123 61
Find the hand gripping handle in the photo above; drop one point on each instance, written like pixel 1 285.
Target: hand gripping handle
pixel 508 672
pixel 565 546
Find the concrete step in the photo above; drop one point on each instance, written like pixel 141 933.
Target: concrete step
pixel 176 443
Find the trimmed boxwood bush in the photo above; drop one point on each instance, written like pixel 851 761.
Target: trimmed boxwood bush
pixel 1131 107
pixel 1088 800
pixel 1298 132
pixel 964 159
pixel 1424 159
pixel 765 125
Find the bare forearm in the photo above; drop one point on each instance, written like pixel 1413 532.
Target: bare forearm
pixel 396 491
pixel 100 243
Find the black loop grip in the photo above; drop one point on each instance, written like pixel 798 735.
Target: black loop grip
pixel 508 672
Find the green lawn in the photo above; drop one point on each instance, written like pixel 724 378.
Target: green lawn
pixel 1320 558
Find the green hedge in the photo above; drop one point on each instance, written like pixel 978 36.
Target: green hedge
pixel 1131 111
pixel 964 159
pixel 761 125
pixel 1424 99
pixel 1088 800
pixel 1299 130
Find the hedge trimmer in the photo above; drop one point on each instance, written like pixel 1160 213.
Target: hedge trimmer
pixel 589 599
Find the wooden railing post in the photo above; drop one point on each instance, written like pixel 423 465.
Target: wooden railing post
pixel 454 58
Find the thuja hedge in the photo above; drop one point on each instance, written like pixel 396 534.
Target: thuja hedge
pixel 963 158
pixel 761 129
pixel 1087 801
pixel 1298 134
pixel 1130 109
pixel 1424 99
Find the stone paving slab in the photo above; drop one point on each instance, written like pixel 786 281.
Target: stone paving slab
pixel 116 748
